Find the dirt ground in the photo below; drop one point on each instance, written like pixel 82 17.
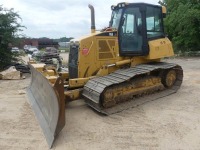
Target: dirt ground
pixel 171 123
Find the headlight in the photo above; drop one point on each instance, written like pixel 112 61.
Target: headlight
pixel 113 7
pixel 122 4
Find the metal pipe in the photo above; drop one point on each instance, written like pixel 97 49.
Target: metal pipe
pixel 92 18
pixel 123 62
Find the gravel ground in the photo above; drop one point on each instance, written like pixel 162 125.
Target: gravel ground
pixel 172 122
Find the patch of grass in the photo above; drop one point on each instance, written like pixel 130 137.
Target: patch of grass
pixel 63 49
pixel 190 53
pixel 21 52
pixel 42 49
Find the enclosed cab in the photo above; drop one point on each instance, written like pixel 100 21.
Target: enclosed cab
pixel 135 32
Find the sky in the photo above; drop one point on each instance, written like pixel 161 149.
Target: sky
pixel 62 18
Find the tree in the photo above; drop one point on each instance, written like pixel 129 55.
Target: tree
pixel 9 33
pixel 63 39
pixel 183 24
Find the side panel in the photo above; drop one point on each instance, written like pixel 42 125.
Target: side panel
pixel 86 61
pixel 160 48
pixel 95 52
pixel 73 61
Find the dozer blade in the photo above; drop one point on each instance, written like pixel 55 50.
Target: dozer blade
pixel 47 101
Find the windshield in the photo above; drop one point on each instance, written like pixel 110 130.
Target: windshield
pixel 115 18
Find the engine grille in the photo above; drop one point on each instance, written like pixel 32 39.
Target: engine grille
pixel 104 49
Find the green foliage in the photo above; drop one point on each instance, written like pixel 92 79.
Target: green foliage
pixel 9 33
pixel 63 48
pixel 183 24
pixel 63 39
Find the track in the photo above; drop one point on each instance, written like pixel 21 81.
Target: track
pixel 94 88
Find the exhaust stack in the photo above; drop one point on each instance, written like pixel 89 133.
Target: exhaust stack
pixel 92 19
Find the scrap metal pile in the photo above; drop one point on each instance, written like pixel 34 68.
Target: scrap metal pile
pixel 50 57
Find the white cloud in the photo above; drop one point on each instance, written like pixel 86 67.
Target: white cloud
pixel 55 19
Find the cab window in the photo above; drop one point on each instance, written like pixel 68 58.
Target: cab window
pixel 154 22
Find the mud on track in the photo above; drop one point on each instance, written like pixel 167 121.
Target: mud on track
pixel 172 122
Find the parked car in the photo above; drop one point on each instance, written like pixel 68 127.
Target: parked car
pixel 15 50
pixel 32 49
pixel 26 47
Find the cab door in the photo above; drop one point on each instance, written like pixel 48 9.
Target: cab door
pixel 131 33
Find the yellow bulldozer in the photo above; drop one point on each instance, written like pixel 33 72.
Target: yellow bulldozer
pixel 113 69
